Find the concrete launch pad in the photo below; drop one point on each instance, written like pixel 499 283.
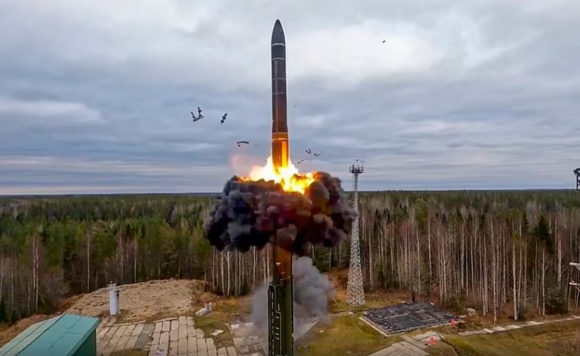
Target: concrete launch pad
pixel 405 317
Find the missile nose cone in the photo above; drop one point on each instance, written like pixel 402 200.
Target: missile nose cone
pixel 278 33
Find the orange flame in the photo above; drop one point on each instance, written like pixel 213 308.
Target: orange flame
pixel 289 177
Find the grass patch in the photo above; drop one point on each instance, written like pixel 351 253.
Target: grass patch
pixel 130 353
pixel 557 339
pixel 345 336
pixel 441 349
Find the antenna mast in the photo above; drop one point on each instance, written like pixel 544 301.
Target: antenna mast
pixel 355 294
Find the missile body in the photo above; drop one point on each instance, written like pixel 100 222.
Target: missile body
pixel 280 301
pixel 280 148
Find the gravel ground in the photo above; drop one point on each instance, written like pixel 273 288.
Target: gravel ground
pixel 143 300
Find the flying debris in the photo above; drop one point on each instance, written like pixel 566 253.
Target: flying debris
pixel 308 151
pixel 224 118
pixel 384 41
pixel 304 159
pixel 199 115
pixel 359 160
pixel 318 154
pixel 196 118
pixel 240 142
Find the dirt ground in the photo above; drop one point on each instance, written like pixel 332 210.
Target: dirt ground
pixel 145 300
pixel 7 333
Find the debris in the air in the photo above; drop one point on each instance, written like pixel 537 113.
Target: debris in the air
pixel 318 154
pixel 199 115
pixel 304 159
pixel 224 118
pixel 240 142
pixel 308 151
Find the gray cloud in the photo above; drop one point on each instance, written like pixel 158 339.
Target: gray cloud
pixel 95 96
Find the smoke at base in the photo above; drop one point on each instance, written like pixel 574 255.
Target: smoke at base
pixel 250 213
pixel 312 293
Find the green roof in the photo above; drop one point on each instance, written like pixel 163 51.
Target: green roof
pixel 59 336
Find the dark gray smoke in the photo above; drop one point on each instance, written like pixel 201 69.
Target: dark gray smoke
pixel 312 293
pixel 251 213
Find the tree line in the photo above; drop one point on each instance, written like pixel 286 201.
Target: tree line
pixel 494 251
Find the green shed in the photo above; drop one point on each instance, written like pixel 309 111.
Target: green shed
pixel 64 335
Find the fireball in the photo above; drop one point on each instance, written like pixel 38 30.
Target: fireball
pixel 288 177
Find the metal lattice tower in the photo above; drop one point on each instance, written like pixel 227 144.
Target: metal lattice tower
pixel 355 294
pixel 577 174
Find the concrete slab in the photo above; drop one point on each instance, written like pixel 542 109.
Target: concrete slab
pixel 182 346
pixel 406 347
pixel 191 345
pixel 158 326
pixel 512 327
pixel 424 335
pixel 199 334
pixel 201 345
pixel 182 331
pixel 173 335
pixel 418 344
pixel 209 342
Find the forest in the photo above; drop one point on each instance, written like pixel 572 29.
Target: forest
pixel 491 250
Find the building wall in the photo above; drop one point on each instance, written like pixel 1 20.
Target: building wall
pixel 89 347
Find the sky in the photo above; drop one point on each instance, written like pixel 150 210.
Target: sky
pixel 95 95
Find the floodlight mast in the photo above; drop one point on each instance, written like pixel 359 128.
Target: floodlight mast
pixel 355 294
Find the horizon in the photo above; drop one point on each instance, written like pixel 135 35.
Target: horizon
pixel 507 190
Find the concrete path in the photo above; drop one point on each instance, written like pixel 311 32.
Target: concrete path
pixel 411 346
pixel 497 329
pixel 170 337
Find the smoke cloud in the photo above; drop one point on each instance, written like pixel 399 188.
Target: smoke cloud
pixel 250 213
pixel 312 293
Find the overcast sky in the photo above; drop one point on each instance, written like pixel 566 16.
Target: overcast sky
pixel 95 95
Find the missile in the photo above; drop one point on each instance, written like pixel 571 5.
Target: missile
pixel 280 147
pixel 280 301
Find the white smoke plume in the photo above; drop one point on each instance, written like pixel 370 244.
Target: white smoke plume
pixel 312 293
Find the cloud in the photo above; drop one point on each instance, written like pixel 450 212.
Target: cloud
pixel 47 112
pixel 96 96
